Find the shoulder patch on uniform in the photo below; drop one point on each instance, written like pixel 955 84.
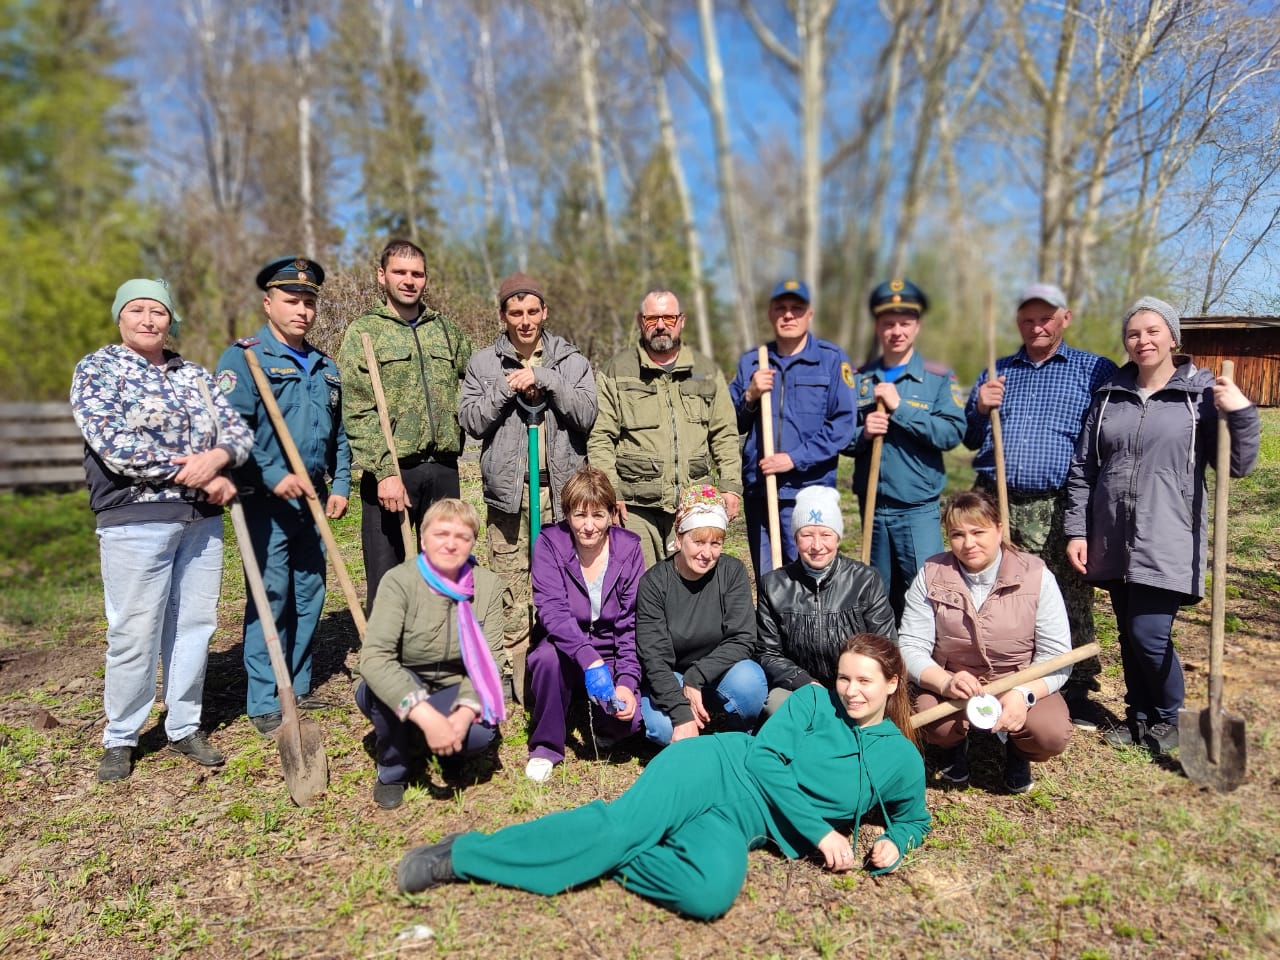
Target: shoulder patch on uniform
pixel 226 381
pixel 846 373
pixel 957 395
pixel 248 342
pixel 940 369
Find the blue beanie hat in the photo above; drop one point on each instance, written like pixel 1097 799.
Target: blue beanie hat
pixel 139 289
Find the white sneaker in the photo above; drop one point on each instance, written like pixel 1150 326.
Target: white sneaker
pixel 538 769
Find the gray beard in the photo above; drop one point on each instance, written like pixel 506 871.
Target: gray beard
pixel 662 343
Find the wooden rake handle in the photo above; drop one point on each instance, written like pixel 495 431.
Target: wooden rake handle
pixel 771 481
pixel 873 481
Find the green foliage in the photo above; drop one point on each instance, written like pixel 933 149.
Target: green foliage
pixel 70 230
pixel 49 576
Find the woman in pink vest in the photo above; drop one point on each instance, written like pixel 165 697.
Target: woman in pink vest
pixel 980 612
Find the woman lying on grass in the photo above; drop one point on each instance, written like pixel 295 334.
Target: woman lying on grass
pixel 680 834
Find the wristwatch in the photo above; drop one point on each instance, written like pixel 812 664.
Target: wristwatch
pixel 1028 696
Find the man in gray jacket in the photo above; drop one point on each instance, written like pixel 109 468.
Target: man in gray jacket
pixel 526 367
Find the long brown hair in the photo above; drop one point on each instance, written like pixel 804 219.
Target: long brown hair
pixel 887 656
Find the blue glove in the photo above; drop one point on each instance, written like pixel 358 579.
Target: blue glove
pixel 600 688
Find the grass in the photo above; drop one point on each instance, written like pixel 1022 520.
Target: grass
pixel 1111 856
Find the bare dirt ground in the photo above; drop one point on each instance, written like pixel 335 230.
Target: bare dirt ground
pixel 1111 856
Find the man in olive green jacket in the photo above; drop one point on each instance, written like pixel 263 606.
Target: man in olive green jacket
pixel 665 423
pixel 422 356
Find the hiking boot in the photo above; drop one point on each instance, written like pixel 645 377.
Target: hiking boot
pixel 1161 739
pixel 953 766
pixel 1017 770
pixel 1129 735
pixel 309 701
pixel 426 866
pixel 267 723
pixel 197 748
pixel 117 764
pixel 388 795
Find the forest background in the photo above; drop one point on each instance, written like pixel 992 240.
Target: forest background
pixel 1116 147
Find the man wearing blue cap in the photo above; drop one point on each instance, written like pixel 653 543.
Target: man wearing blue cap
pixel 286 543
pixel 923 416
pixel 813 417
pixel 1042 393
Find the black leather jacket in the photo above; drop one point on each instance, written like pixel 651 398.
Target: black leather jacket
pixel 800 624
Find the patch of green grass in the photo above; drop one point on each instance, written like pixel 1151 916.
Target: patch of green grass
pixel 49 576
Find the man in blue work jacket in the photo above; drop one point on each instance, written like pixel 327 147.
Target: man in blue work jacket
pixel 813 417
pixel 923 416
pixel 286 543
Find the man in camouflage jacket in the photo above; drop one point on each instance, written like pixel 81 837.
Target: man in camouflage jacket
pixel 422 355
pixel 665 423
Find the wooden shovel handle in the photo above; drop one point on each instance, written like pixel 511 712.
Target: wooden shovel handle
pixel 997 432
pixel 317 511
pixel 1217 620
pixel 1004 684
pixel 873 481
pixel 384 421
pixel 770 481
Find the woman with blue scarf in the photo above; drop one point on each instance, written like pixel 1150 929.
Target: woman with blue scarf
pixel 427 668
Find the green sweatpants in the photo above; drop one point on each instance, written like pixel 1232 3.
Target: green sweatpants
pixel 679 836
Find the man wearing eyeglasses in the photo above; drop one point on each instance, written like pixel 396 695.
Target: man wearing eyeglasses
pixel 665 423
pixel 811 381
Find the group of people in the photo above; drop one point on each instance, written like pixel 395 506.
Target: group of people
pixel 622 594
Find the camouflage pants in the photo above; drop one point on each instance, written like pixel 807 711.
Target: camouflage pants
pixel 654 527
pixel 508 535
pixel 1035 524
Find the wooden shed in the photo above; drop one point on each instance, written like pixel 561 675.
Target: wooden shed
pixel 1252 342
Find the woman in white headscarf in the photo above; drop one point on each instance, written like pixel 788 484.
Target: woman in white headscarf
pixel 696 631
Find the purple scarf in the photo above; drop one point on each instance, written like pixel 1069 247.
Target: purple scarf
pixel 476 658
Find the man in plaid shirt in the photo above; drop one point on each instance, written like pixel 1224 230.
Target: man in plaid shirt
pixel 1042 392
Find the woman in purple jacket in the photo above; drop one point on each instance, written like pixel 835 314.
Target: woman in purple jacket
pixel 585 574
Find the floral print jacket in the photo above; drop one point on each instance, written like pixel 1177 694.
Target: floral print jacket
pixel 136 417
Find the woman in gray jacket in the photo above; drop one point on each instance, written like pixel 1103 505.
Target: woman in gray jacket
pixel 1137 509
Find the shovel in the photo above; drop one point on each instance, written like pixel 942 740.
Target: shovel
pixel 1211 743
pixel 533 417
pixel 302 756
pixel 873 481
pixel 306 768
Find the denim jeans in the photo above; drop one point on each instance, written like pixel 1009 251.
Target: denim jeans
pixel 161 583
pixel 741 692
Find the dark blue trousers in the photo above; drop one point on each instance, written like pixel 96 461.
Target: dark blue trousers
pixel 1154 687
pixel 397 741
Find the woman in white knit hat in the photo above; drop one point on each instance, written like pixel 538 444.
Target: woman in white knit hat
pixel 809 607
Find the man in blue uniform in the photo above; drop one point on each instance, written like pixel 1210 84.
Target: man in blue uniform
pixel 813 417
pixel 286 543
pixel 1042 393
pixel 923 416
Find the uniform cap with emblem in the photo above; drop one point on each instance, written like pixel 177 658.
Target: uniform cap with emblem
pixel 791 288
pixel 898 296
pixel 294 273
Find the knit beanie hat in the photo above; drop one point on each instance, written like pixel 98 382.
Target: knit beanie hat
pixel 817 506
pixel 139 289
pixel 516 285
pixel 1169 314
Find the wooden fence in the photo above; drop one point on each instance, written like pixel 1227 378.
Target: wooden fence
pixel 40 447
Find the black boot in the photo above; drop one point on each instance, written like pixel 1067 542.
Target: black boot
pixel 426 866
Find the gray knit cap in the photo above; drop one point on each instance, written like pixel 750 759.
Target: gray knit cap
pixel 1166 311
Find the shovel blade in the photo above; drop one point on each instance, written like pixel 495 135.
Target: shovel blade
pixel 302 757
pixel 1194 736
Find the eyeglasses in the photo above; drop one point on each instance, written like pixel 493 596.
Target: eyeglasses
pixel 649 321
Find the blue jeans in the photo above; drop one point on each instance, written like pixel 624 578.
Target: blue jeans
pixel 741 692
pixel 161 583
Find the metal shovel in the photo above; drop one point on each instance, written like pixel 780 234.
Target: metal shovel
pixel 1211 742
pixel 302 756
